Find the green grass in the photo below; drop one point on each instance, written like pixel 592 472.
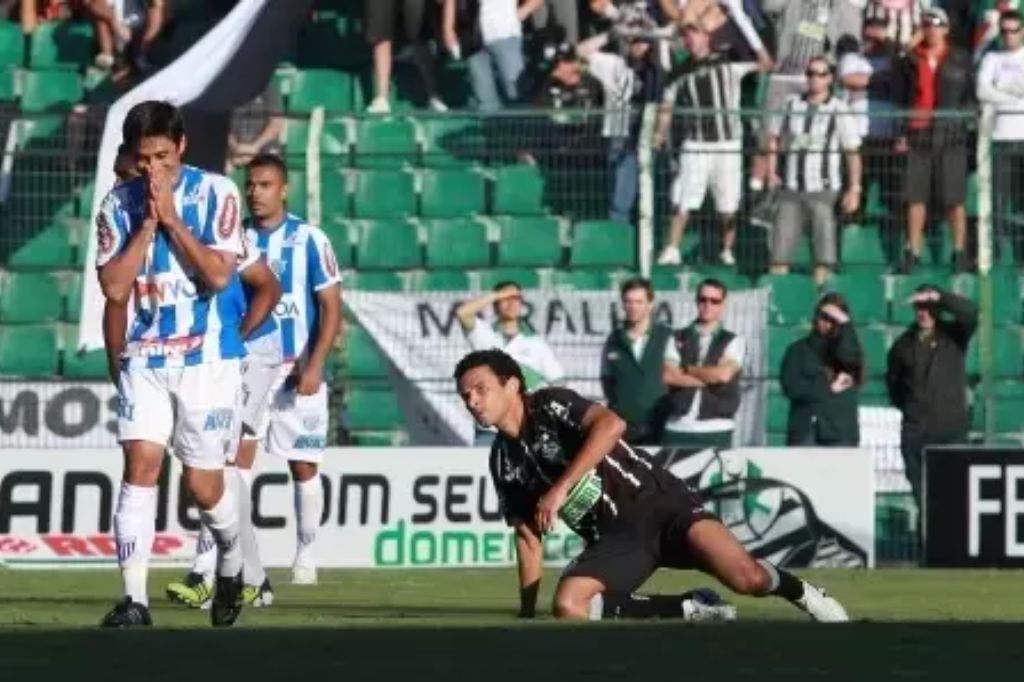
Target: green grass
pixel 459 624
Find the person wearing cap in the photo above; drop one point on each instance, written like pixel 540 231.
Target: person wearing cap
pixel 1001 87
pixel 935 76
pixel 511 334
pixel 927 378
pixel 821 374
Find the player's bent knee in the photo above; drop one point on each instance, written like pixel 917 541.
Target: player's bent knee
pixel 571 606
pixel 303 471
pixel 205 485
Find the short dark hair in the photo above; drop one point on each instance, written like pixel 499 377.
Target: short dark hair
pixel 124 164
pixel 153 119
pixel 713 282
pixel 1011 15
pixel 268 160
pixel 498 361
pixel 506 283
pixel 637 283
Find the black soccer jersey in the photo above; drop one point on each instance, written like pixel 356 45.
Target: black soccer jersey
pixel 525 468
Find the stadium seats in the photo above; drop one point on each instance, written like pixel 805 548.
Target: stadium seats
pixel 311 88
pixel 87 366
pixel 61 45
pixel 50 90
pixel 387 245
pixel 441 280
pixel 451 193
pixel 862 248
pixel 373 408
pixel 526 278
pixel 665 280
pixel 385 143
pixel 334 142
pixel 73 300
pixel 874 343
pixel 1006 294
pixel 361 357
pixel 457 243
pixel 30 298
pixel 12 44
pixel 518 190
pixel 1007 361
pixel 373 281
pixel 583 280
pixel 529 241
pixel 451 141
pixel 340 233
pixel 603 243
pixel 28 352
pixel 865 295
pixel 334 195
pixel 776 409
pixel 779 339
pixel 384 194
pixel 792 299
pixel 49 249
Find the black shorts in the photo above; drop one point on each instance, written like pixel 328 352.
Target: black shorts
pixel 936 171
pixel 382 15
pixel 649 534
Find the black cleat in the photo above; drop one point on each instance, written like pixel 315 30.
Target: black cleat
pixel 127 614
pixel 227 601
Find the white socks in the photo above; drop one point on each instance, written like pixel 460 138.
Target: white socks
pixel 205 563
pixel 134 528
pixel 309 507
pixel 252 568
pixel 222 521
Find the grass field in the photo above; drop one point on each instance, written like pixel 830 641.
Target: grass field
pixel 459 625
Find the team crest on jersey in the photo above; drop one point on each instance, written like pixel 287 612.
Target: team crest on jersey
pixel 228 217
pixel 104 234
pixel 330 264
pixel 311 422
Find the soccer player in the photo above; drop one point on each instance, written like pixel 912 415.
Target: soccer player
pixel 170 240
pixel 558 454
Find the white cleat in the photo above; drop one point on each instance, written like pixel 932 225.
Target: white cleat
pixel 669 256
pixel 705 605
pixel 304 575
pixel 821 607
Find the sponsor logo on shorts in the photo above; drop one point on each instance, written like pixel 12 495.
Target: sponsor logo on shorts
pixel 219 420
pixel 228 217
pixel 310 443
pixel 125 409
pixel 312 422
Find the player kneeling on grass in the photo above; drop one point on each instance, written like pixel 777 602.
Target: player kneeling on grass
pixel 285 397
pixel 558 454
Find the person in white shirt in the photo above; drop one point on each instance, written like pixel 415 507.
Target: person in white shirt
pixel 511 334
pixel 492 45
pixel 1000 88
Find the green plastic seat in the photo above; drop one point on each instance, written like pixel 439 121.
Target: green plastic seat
pixel 49 249
pixel 73 307
pixel 666 280
pixel 603 243
pixel 373 408
pixel 28 352
pixel 384 194
pixel 451 141
pixel 31 298
pixel 530 242
pixel 1006 407
pixel 1006 293
pixel 732 279
pixel 903 287
pixel 52 90
pixel 88 366
pixel 8 89
pixel 792 298
pixel 451 193
pixel 334 194
pixel 441 280
pixel 1007 353
pixel 339 233
pixel 334 142
pixel 518 190
pixel 387 245
pixel 385 143
pixel 373 281
pixel 874 342
pixel 583 280
pixel 862 246
pixel 61 45
pixel 362 358
pixel 298 193
pixel 12 44
pixel 458 243
pixel 524 277
pixel 84 195
pixel 865 295
pixel 779 339
pixel 311 88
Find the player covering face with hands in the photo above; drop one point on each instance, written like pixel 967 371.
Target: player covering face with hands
pixel 558 455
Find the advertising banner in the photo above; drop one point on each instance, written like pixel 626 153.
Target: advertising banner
pixel 430 507
pixel 973 507
pixel 61 414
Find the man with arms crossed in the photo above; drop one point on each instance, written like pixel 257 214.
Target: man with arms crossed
pixel 560 455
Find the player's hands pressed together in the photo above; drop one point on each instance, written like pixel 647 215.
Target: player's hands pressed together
pixel 161 194
pixel 548 505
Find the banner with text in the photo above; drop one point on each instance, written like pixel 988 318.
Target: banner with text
pixel 57 415
pixel 430 507
pixel 421 336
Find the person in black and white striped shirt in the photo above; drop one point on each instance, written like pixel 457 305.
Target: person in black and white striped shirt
pixel 711 154
pixel 813 133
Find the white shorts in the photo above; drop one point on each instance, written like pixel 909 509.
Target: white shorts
pixel 289 425
pixel 194 410
pixel 714 165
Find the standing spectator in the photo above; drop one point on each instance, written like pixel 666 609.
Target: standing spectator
pixel 564 13
pixel 1001 87
pixel 631 363
pixel 381 17
pixel 492 44
pixel 820 375
pixel 814 131
pixel 901 19
pixel 512 335
pixel 867 77
pixel 927 378
pixel 936 75
pixel 711 155
pixel 988 26
pixel 256 128
pixel 702 369
pixel 727 22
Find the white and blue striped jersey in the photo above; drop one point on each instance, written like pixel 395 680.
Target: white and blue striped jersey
pixel 303 260
pixel 177 321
